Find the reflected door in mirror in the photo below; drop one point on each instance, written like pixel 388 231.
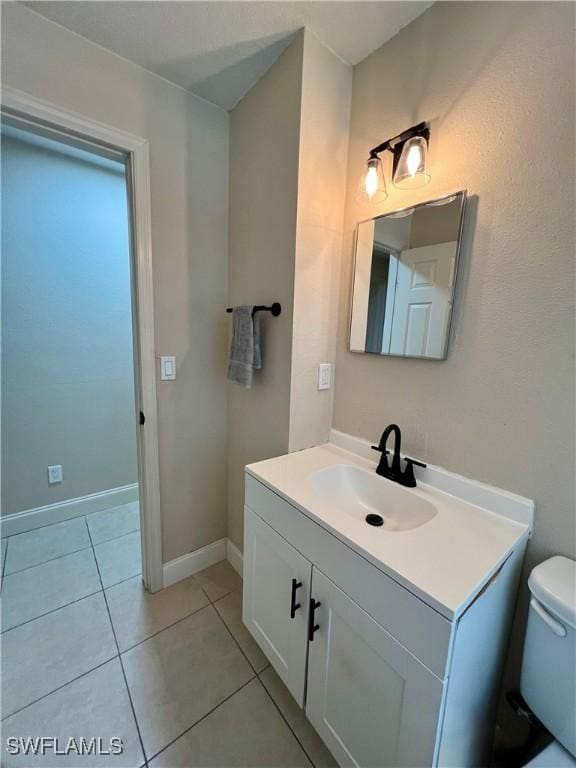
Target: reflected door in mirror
pixel 405 268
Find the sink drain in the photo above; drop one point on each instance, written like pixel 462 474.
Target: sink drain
pixel 375 520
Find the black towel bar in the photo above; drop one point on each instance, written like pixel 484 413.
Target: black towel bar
pixel 275 309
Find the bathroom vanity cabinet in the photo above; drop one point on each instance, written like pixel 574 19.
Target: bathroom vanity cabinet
pixel 384 677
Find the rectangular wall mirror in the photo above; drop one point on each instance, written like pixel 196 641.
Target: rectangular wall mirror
pixel 404 276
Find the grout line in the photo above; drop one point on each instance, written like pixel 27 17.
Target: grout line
pixel 221 597
pixel 49 525
pixel 292 731
pixel 263 686
pixel 50 560
pixel 53 610
pixel 118 655
pixel 41 527
pixel 118 650
pixel 4 563
pixel 122 581
pixel 254 677
pixel 235 640
pixel 168 626
pixel 87 672
pixel 66 520
pixel 136 723
pixel 113 538
pixel 59 688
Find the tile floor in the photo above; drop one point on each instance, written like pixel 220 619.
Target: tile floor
pixel 86 652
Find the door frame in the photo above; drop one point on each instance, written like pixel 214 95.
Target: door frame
pixel 16 103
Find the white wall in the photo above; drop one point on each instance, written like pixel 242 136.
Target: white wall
pixel 497 80
pixel 264 143
pixel 189 188
pixel 289 144
pixel 67 363
pixel 322 162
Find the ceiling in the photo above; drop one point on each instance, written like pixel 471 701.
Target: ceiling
pixel 219 49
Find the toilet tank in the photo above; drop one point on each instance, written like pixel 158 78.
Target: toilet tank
pixel 548 681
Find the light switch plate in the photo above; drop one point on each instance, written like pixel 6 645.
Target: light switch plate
pixel 324 376
pixel 168 368
pixel 55 474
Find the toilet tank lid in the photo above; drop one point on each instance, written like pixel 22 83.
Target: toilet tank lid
pixel 553 583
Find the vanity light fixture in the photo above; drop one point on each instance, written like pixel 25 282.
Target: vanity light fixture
pixel 409 164
pixel 373 185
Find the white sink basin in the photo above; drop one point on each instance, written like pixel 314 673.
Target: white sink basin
pixel 358 493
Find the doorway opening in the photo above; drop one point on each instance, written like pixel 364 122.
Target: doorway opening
pixel 69 432
pixel 79 438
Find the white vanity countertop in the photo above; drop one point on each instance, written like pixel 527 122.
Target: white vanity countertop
pixel 445 562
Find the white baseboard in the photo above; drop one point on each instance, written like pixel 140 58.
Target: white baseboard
pixel 235 558
pixel 29 519
pixel 192 562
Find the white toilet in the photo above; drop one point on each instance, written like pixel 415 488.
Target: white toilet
pixel 548 682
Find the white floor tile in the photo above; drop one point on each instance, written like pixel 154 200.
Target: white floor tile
pixel 48 652
pixel 119 559
pixel 247 730
pixel 230 610
pixel 298 721
pixel 43 544
pixel 179 675
pixel 93 706
pixel 60 677
pixel 219 580
pixel 137 614
pixel 115 522
pixel 43 588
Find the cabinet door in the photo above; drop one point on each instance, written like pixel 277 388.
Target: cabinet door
pixel 276 597
pixel 370 700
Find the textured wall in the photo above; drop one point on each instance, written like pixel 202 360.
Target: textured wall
pixel 189 194
pixel 288 150
pixel 497 80
pixel 322 161
pixel 67 365
pixel 264 142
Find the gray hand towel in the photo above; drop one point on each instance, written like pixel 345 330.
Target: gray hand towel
pixel 245 352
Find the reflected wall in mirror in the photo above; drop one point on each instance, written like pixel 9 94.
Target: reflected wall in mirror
pixel 404 276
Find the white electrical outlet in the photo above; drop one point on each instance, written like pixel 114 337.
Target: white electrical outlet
pixel 324 376
pixel 55 474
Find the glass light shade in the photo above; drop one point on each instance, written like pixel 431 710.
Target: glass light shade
pixel 442 201
pixel 412 168
pixel 372 184
pixel 401 214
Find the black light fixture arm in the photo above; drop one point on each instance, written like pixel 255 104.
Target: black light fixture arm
pixel 421 129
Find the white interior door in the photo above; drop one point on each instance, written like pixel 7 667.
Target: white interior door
pixel 423 300
pixel 370 700
pixel 276 597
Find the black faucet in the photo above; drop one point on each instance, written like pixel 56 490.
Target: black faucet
pixel 394 470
